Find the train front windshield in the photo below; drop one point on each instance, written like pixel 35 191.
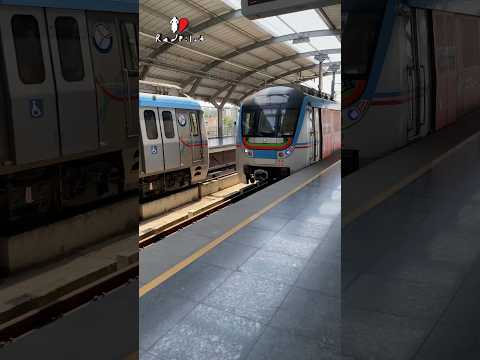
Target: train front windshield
pixel 272 122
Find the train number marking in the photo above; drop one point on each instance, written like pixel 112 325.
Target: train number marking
pixel 154 150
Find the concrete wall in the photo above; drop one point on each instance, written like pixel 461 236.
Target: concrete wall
pixel 62 238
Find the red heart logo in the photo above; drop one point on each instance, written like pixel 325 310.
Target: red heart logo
pixel 183 25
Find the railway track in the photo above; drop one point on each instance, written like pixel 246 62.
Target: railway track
pixel 213 174
pixel 163 231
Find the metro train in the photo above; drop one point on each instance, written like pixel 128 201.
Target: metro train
pixel 284 129
pixel 68 106
pixel 409 68
pixel 174 144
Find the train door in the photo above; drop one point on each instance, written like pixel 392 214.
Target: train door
pixel 196 137
pixel 129 31
pixel 152 143
pixel 311 135
pixel 108 69
pixel 446 65
pixel 318 134
pixel 77 104
pixel 419 73
pixel 5 154
pixel 327 118
pixel 30 84
pixel 171 143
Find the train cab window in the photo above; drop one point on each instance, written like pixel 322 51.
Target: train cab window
pixel 248 123
pixel 194 124
pixel 267 122
pixel 69 49
pixel 129 33
pixel 28 49
pixel 168 125
pixel 287 122
pixel 150 124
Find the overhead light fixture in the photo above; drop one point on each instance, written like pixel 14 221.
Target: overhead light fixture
pixel 321 57
pixel 301 40
pixel 160 84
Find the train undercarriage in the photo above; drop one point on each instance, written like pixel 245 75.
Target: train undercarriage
pixel 262 173
pixel 34 197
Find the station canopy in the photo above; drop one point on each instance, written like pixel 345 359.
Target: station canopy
pixel 224 57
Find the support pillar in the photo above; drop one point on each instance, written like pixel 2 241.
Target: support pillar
pixel 333 84
pixel 220 121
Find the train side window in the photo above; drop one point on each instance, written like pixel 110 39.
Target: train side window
pixel 150 124
pixel 28 49
pixel 168 125
pixel 130 45
pixel 69 49
pixel 194 124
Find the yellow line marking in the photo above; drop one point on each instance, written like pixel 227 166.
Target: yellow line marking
pixel 407 180
pixel 202 251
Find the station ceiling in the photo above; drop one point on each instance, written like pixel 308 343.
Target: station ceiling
pixel 237 56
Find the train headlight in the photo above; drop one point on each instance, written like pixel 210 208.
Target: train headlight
pixel 289 151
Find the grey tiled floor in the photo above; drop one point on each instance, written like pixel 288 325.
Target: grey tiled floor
pixel 258 294
pixel 411 269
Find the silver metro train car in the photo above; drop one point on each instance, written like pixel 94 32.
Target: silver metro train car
pixel 282 130
pixel 174 144
pixel 409 68
pixel 68 105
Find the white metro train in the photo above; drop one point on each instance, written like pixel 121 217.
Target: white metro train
pixel 282 130
pixel 68 106
pixel 174 148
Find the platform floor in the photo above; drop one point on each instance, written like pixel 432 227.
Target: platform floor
pixel 270 291
pixel 411 268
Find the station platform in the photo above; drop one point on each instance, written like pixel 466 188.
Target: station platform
pixel 411 260
pixel 222 152
pixel 101 329
pixel 222 144
pixel 259 279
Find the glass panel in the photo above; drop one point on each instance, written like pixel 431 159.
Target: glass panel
pixel 360 35
pixel 168 125
pixel 150 124
pixel 287 122
pixel 28 49
pixel 267 122
pixel 230 116
pixel 69 48
pixel 270 122
pixel 248 125
pixel 194 124
pixel 130 45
